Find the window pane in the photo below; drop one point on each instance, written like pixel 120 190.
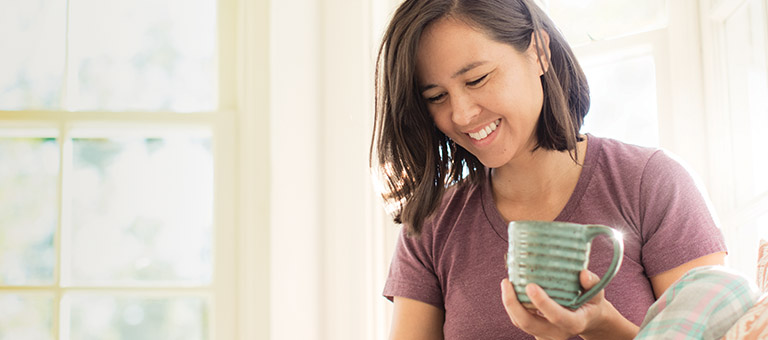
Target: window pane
pixel 32 41
pixel 623 103
pixel 26 316
pixel 746 46
pixel 142 211
pixel 28 210
pixel 586 20
pixel 130 318
pixel 142 55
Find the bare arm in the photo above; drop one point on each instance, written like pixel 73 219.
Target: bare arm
pixel 662 281
pixel 597 319
pixel 416 320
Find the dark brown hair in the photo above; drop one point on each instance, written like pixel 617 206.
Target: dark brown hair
pixel 416 162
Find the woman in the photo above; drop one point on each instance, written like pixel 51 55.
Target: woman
pixel 479 107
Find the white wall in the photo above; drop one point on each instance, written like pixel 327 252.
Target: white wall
pixel 296 275
pixel 327 227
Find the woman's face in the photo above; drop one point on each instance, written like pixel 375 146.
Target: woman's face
pixel 485 95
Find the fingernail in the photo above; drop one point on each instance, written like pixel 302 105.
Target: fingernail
pixel 532 290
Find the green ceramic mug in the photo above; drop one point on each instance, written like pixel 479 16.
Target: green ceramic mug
pixel 551 255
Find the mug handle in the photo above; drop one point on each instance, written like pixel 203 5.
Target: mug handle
pixel 618 253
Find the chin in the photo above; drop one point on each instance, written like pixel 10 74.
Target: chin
pixel 492 163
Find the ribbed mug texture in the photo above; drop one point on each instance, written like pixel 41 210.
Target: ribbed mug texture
pixel 551 255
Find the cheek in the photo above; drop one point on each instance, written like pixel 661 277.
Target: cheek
pixel 524 97
pixel 504 97
pixel 444 123
pixel 535 89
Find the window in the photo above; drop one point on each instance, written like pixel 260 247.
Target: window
pixel 736 62
pixel 117 142
pixel 618 44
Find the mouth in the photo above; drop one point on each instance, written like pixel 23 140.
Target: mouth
pixel 485 131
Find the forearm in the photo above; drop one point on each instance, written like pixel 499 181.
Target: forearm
pixel 615 327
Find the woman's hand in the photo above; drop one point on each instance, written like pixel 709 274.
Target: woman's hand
pixel 596 319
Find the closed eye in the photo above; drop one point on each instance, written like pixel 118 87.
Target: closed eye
pixel 436 99
pixel 477 81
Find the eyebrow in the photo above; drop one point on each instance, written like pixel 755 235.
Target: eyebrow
pixel 463 70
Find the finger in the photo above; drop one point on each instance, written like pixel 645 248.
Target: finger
pixel 509 297
pixel 588 279
pixel 520 316
pixel 551 310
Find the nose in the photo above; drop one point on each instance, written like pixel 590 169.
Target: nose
pixel 464 109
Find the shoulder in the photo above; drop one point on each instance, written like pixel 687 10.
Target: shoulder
pixel 637 179
pixel 666 166
pixel 627 162
pixel 616 167
pixel 620 155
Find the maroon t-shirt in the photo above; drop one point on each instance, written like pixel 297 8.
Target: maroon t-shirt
pixel 458 261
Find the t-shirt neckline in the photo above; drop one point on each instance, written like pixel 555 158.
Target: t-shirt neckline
pixel 590 160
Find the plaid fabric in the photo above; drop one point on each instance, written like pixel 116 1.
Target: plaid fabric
pixel 703 304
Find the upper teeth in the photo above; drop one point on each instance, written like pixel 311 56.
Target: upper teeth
pixel 484 132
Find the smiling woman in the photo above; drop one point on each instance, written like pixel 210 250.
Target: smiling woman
pixel 480 109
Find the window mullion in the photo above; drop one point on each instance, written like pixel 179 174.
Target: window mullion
pixel 63 214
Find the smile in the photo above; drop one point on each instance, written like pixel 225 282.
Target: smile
pixel 484 132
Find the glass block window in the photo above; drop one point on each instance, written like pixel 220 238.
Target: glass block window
pixel 33 38
pixel 127 317
pixel 27 316
pixel 29 169
pixel 149 202
pixel 96 55
pixel 109 126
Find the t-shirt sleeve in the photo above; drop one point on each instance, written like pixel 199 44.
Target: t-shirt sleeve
pixel 412 271
pixel 677 221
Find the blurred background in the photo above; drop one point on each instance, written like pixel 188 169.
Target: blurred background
pixel 198 169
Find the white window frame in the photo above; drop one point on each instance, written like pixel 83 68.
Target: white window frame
pixel 251 310
pixel 237 306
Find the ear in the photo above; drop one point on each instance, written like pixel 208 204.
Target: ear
pixel 539 48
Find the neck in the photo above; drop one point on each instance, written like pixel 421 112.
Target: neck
pixel 538 176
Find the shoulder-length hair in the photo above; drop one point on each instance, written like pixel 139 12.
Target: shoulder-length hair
pixel 415 161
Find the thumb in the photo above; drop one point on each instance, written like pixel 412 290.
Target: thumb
pixel 588 279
